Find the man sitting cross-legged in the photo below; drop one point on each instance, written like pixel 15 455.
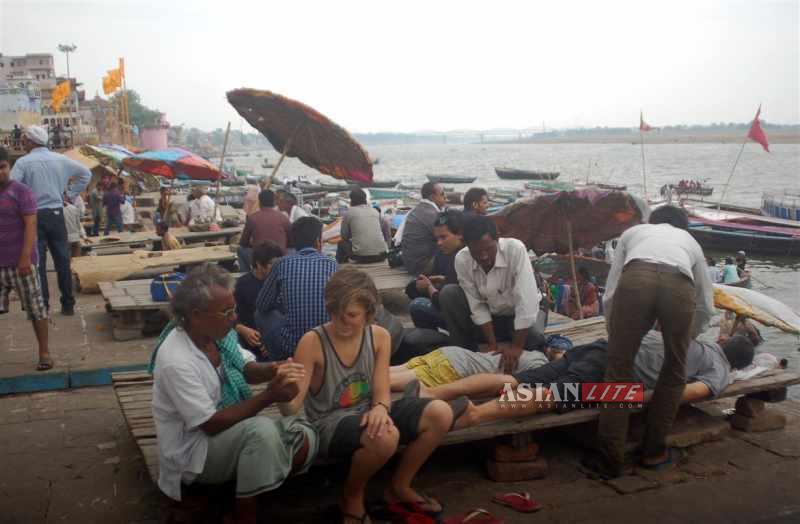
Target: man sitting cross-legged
pixel 708 367
pixel 346 396
pixel 204 412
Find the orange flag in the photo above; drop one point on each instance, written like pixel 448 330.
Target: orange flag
pixel 60 93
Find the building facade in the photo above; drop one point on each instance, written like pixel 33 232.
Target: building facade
pixel 38 66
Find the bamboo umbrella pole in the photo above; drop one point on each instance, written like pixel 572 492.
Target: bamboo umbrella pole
pixel 574 273
pixel 728 183
pixel 221 161
pixel 286 147
pixel 644 170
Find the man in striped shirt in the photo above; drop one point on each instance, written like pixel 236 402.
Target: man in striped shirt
pixel 292 299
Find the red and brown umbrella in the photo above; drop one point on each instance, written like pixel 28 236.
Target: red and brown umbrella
pixel 300 131
pixel 561 222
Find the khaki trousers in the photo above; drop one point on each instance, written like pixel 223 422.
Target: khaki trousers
pixel 647 292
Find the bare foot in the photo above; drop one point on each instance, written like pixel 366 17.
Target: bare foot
pixel 468 419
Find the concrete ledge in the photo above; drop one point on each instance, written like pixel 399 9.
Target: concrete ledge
pixel 54 380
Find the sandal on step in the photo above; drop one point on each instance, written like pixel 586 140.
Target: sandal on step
pixel 475 516
pixel 45 364
pixel 518 501
pixel 417 512
pixel 674 456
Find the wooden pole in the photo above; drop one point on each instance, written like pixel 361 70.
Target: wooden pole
pixel 221 162
pixel 735 163
pixel 644 170
pixel 286 147
pixel 127 136
pixel 574 273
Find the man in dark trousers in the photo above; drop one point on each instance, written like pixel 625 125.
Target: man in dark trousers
pixel 48 174
pixel 659 274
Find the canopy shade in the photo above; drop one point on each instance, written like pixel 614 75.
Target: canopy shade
pixel 301 132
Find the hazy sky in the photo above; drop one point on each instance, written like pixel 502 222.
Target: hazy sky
pixel 435 64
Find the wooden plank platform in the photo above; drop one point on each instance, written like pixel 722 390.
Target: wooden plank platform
pixel 102 244
pixel 130 301
pixel 90 271
pixel 134 394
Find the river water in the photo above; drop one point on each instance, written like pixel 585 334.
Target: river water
pixel 756 173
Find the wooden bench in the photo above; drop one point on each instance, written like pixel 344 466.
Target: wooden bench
pixel 129 301
pixel 134 393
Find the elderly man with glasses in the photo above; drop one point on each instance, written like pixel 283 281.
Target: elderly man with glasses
pixel 206 416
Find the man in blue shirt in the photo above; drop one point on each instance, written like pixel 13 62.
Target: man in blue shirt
pixel 48 174
pixel 292 299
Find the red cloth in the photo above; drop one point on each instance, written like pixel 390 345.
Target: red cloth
pixel 644 126
pixel 756 133
pixel 266 224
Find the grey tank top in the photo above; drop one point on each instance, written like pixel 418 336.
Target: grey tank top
pixel 345 391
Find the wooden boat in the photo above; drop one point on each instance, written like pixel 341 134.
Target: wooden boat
pixel 386 194
pixel 451 179
pixel 549 186
pixel 700 190
pixel 611 187
pixel 509 173
pixel 742 282
pixel 745 238
pixel 380 183
pixel 785 206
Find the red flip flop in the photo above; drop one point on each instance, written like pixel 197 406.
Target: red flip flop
pixel 475 516
pixel 518 501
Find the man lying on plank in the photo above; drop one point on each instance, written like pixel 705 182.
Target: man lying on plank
pixel 451 363
pixel 708 367
pixel 204 412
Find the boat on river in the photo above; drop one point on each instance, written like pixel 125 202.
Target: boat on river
pixel 451 179
pixel 785 206
pixel 509 173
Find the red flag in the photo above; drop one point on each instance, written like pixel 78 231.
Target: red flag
pixel 643 126
pixel 756 133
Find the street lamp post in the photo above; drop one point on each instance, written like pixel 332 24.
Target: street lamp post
pixel 67 49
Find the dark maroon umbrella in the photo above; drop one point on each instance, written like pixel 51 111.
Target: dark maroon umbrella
pixel 300 131
pixel 560 222
pixel 543 222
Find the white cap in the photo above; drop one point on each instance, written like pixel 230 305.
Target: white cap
pixel 36 134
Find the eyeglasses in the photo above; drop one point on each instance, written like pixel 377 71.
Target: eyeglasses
pixel 227 314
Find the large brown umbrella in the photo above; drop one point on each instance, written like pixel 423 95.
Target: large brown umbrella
pixel 301 132
pixel 560 222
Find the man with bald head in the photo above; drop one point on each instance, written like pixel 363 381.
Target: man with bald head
pixel 49 174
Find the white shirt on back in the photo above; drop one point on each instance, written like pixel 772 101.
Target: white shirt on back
pixel 508 289
pixel 664 244
pixel 202 209
pixel 187 391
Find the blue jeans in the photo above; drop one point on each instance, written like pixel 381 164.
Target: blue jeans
pixel 270 325
pixel 51 234
pixel 244 256
pixel 113 220
pixel 425 315
pixel 96 218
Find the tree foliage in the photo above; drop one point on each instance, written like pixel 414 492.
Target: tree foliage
pixel 141 115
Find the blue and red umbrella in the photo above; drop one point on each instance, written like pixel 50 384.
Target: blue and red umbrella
pixel 173 163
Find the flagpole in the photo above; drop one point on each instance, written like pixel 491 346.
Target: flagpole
pixel 644 169
pixel 735 163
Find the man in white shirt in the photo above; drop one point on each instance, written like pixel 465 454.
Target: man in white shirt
pixel 659 274
pixel 287 202
pixel 206 418
pixel 415 235
pixel 202 208
pixel 496 292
